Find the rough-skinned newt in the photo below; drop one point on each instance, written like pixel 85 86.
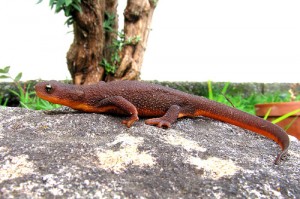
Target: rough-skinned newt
pixel 135 98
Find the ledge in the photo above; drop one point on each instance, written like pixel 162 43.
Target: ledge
pixel 64 153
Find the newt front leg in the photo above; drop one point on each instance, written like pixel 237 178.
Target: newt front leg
pixel 122 104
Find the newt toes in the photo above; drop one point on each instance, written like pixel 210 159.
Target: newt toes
pixel 135 98
pixel 130 121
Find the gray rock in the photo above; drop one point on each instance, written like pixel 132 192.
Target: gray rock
pixel 67 154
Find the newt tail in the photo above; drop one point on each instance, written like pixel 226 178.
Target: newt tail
pixel 249 122
pixel 135 98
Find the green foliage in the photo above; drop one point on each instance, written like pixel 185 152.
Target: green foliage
pixel 246 104
pixel 5 74
pixel 110 64
pixel 27 99
pixel 109 22
pixel 210 91
pixel 286 116
pixel 118 44
pixel 220 96
pixel 68 6
pixel 267 114
pixel 3 102
pixel 108 67
pixel 40 104
pixel 283 117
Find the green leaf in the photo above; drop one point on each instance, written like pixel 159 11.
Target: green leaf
pixel 68 2
pixel 285 116
pixel 290 124
pixel 225 87
pixel 59 5
pixel 5 69
pixel 223 92
pixel 4 77
pixel 39 1
pixel 267 114
pixel 58 9
pixel 14 92
pixel 69 21
pixel 51 3
pixel 3 103
pixel 77 7
pixel 67 11
pixel 24 105
pixel 210 92
pixel 18 77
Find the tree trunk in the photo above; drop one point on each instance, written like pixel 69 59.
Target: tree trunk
pixel 138 16
pixel 110 35
pixel 93 43
pixel 86 51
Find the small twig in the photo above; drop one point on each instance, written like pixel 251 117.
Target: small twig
pixel 228 100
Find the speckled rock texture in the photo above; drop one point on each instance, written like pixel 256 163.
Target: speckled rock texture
pixel 67 154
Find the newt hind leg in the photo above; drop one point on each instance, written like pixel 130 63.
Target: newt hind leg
pixel 165 121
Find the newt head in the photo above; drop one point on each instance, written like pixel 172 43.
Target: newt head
pixel 58 93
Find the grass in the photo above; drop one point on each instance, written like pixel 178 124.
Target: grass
pixel 3 102
pixel 27 98
pixel 246 104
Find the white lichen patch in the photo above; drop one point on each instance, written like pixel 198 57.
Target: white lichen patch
pixel 173 138
pixel 54 184
pixel 213 167
pixel 128 154
pixel 126 140
pixel 14 167
pixel 4 150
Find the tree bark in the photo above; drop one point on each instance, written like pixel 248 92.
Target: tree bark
pixel 110 36
pixel 86 51
pixel 92 42
pixel 138 16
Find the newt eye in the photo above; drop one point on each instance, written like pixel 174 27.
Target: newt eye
pixel 48 88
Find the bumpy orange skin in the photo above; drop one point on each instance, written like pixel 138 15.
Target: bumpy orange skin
pixel 136 98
